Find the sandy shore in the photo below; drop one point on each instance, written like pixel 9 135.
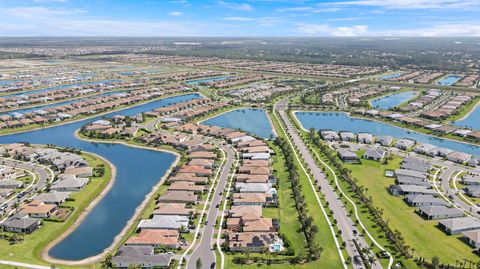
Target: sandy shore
pixel 119 237
pixel 469 112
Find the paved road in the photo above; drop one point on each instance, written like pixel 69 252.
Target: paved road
pixel 445 178
pixel 44 175
pixel 204 250
pixel 344 222
pixel 24 265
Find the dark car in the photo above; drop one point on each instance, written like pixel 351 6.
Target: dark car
pixel 212 266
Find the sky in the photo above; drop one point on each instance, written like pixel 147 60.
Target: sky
pixel 338 18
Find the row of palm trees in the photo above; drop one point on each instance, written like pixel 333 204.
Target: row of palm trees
pixel 306 221
pixel 361 193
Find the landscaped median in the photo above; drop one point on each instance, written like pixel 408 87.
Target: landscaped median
pixel 329 257
pixel 31 247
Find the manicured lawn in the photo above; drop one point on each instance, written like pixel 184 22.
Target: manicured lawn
pixel 29 250
pixel 463 110
pixel 420 234
pixel 330 257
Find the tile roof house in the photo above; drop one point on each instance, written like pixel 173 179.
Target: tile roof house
pixel 261 199
pixel 259 225
pixel 473 238
pixel 173 209
pixel 458 157
pixel 38 209
pixel 187 197
pixel 254 242
pixel 155 238
pixel 202 155
pixel 186 186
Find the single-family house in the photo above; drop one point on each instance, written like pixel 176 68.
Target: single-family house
pixel 374 153
pixel 459 225
pixel 439 212
pixel 143 256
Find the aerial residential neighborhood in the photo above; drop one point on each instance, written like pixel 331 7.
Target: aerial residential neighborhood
pixel 239 134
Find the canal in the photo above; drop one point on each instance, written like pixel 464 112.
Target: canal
pixel 339 121
pixel 59 87
pixel 138 171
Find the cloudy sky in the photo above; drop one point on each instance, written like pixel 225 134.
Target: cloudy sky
pixel 239 18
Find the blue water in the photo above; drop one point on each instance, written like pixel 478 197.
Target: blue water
pixel 472 120
pixel 138 170
pixel 393 100
pixel 449 80
pixel 105 81
pixel 127 73
pixel 26 110
pixel 8 81
pixel 390 76
pixel 205 80
pixel 338 121
pixel 251 120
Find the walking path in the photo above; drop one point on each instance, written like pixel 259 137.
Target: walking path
pixel 344 222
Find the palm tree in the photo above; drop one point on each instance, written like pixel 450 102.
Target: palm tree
pixel 198 263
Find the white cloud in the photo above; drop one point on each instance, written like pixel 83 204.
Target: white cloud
pixel 239 19
pixel 237 6
pixel 327 30
pixel 262 21
pixel 455 29
pixel 289 9
pixel 440 30
pixel 175 13
pixel 35 21
pixel 409 4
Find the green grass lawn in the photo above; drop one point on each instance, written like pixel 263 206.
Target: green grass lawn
pixel 422 235
pixel 29 251
pixel 330 257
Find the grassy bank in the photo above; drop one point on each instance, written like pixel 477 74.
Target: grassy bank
pixel 29 251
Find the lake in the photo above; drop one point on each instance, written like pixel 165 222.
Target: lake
pixel 449 80
pixel 250 120
pixel 138 171
pixel 390 76
pixel 472 120
pixel 205 80
pixel 393 100
pixel 339 121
